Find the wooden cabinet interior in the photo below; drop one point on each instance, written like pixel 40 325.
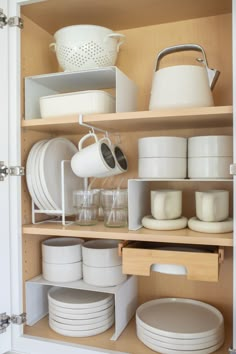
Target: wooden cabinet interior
pixel 144 38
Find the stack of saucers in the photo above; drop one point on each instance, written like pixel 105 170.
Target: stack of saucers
pixel 80 313
pixel 102 265
pixel 177 326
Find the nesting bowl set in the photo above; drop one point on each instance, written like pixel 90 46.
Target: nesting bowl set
pixel 68 259
pixel 202 157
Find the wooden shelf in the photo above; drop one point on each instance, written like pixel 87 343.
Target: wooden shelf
pixel 184 236
pixel 127 342
pixel 205 117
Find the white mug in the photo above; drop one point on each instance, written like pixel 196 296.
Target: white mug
pixel 93 160
pixel 166 204
pixel 121 162
pixel 212 205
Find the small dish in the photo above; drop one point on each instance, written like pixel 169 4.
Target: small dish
pixel 150 223
pixel 218 227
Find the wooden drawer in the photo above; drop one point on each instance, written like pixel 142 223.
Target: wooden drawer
pixel 138 257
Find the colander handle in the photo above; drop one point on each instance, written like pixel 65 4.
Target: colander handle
pixel 52 46
pixel 119 36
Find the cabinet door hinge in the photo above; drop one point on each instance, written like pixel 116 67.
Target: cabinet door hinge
pixel 14 21
pixel 11 171
pixel 6 320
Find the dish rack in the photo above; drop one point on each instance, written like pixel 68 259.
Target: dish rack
pixel 58 215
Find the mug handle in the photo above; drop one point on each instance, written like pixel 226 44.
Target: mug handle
pixel 87 136
pixel 52 47
pixel 118 36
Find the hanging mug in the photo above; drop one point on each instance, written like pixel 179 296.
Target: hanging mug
pixel 93 160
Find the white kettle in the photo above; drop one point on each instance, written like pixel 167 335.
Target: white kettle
pixel 183 85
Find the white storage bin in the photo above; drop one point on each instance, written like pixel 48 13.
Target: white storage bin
pixel 84 102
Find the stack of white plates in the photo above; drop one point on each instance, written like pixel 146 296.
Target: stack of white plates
pixel 43 174
pixel 80 313
pixel 177 326
pixel 162 157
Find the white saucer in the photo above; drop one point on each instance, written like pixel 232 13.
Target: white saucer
pixel 150 223
pixel 217 227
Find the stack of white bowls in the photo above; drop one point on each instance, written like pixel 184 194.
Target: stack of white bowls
pixel 80 313
pixel 102 265
pixel 162 157
pixel 62 259
pixel 177 326
pixel 210 156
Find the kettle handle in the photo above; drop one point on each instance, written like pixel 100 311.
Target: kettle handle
pixel 213 74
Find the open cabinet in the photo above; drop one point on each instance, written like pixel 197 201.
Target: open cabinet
pixel 149 26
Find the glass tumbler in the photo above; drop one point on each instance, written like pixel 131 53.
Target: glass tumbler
pixel 115 207
pixel 86 204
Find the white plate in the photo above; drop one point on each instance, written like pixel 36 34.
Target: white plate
pixel 164 350
pixel 83 326
pixel 150 223
pixel 75 313
pixel 179 318
pixel 37 181
pixel 77 333
pixel 52 154
pixel 30 174
pixel 81 321
pixel 179 346
pixel 217 227
pixel 167 339
pixel 78 299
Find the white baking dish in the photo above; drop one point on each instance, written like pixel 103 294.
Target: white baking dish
pixel 209 167
pixel 162 146
pixel 84 102
pixel 212 145
pixel 62 250
pixel 63 273
pixel 162 167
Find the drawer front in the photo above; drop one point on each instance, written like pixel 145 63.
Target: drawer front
pixel 199 265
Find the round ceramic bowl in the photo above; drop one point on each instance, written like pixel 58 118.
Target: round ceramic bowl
pixel 101 253
pixel 162 146
pixel 103 276
pixel 62 272
pixel 62 250
pixel 206 146
pixel 162 167
pixel 209 167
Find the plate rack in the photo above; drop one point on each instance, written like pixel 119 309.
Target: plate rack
pixel 58 215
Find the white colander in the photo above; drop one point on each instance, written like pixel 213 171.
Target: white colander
pixel 82 47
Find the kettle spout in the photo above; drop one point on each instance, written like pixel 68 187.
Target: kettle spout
pixel 213 75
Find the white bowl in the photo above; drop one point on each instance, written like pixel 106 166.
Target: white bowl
pixel 215 145
pixel 162 146
pixel 162 167
pixel 62 250
pixel 209 167
pixel 103 276
pixel 62 272
pixel 84 102
pixel 101 253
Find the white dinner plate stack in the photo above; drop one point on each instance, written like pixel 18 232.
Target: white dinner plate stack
pixel 177 326
pixel 43 174
pixel 80 313
pixel 162 157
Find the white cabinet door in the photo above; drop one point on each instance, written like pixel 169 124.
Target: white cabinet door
pixel 11 290
pixel 5 304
